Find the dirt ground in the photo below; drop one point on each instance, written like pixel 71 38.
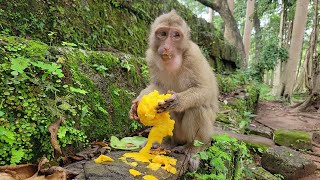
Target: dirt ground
pixel 277 116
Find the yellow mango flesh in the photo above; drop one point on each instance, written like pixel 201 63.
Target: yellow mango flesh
pixel 162 126
pixel 134 172
pixel 149 177
pixel 103 158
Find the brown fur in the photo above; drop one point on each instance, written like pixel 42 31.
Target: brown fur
pixel 196 94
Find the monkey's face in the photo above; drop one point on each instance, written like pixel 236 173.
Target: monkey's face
pixel 169 40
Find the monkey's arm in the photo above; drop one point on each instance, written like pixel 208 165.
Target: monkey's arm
pixel 193 97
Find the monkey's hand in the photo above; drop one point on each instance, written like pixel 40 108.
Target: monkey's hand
pixel 167 104
pixel 133 114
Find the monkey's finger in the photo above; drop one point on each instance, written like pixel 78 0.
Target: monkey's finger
pixel 135 101
pixel 170 92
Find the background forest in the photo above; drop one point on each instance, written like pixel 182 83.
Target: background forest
pixel 70 69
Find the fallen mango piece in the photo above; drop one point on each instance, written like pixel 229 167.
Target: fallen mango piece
pixel 154 166
pixel 134 172
pixel 103 158
pixel 149 177
pixel 134 164
pixel 170 168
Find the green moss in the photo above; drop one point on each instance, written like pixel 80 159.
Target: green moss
pixel 293 138
pixel 108 25
pixel 257 147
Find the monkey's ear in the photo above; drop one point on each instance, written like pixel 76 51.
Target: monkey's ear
pixel 173 11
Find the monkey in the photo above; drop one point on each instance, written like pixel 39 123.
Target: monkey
pixel 177 65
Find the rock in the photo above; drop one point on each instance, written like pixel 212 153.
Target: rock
pixel 316 137
pixel 287 162
pixel 256 141
pixel 118 170
pixel 77 168
pixel 260 130
pixel 293 138
pixel 262 174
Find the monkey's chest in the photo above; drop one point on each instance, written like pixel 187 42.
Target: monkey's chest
pixel 176 84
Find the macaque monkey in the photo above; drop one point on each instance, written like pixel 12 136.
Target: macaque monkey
pixel 177 66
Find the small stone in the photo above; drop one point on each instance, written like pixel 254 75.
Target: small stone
pixel 293 138
pixel 287 162
pixel 316 137
pixel 260 130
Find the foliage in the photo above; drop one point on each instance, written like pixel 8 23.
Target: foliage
pixel 196 7
pixel 230 82
pixel 32 89
pixel 226 158
pixel 41 84
pixel 265 93
pixel 269 57
pixel 117 26
pixel 240 93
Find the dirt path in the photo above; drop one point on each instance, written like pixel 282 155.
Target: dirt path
pixel 275 115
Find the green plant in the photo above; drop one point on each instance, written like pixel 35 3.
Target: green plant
pixel 100 68
pixel 226 158
pixel 33 97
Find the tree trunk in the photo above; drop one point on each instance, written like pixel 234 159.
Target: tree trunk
pixel 290 69
pixel 277 69
pixel 312 103
pixel 221 6
pixel 210 15
pixel 227 32
pixel 248 27
pixel 305 77
pixel 258 39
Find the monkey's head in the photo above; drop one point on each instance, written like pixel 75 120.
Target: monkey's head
pixel 169 38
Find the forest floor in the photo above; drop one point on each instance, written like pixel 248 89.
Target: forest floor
pixel 275 115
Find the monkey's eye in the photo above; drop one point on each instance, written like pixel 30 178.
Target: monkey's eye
pixel 176 35
pixel 161 34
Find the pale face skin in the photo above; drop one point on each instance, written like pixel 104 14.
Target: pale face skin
pixel 170 39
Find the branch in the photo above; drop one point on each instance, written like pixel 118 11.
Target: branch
pixel 221 6
pixel 210 4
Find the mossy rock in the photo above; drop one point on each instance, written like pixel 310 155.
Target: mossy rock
pixel 293 138
pixel 287 162
pixel 261 174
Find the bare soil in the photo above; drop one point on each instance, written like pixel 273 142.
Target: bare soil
pixel 275 115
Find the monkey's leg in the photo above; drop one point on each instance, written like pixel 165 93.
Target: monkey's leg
pixel 197 124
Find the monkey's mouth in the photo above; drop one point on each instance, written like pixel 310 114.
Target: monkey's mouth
pixel 166 57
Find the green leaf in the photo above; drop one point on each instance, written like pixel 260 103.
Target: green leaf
pixel 6 135
pixel 127 143
pixel 64 106
pixel 15 73
pixel 198 143
pixel 1 113
pixel 72 89
pixel 62 132
pixel 16 156
pixel 19 64
pixel 203 155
